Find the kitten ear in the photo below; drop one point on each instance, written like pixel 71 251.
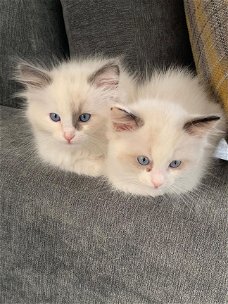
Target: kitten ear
pixel 32 76
pixel 107 76
pixel 201 125
pixel 123 120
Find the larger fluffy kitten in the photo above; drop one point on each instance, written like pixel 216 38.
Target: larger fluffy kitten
pixel 163 142
pixel 66 108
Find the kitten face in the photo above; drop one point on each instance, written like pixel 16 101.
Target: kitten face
pixel 65 115
pixel 65 104
pixel 155 150
pixel 152 166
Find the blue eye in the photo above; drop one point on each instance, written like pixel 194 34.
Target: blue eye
pixel 55 117
pixel 84 117
pixel 143 160
pixel 174 164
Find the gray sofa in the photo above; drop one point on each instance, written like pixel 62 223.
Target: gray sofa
pixel 71 239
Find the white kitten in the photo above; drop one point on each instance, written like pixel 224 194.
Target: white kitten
pixel 163 142
pixel 66 107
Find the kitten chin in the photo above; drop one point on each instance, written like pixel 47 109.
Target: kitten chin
pixel 67 107
pixel 164 141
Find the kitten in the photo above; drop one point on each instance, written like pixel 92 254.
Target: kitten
pixel 66 107
pixel 163 142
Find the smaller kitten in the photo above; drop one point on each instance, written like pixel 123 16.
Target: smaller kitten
pixel 163 142
pixel 66 107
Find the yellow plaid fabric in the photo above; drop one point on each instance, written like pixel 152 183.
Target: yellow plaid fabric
pixel 207 22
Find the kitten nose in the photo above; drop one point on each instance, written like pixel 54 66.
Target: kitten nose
pixel 68 136
pixel 157 180
pixel 157 184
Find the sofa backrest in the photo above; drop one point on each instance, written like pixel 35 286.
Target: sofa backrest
pixel 31 29
pixel 150 33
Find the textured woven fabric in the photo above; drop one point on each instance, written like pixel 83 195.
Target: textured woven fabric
pixel 70 239
pixel 208 28
pixel 29 29
pixel 149 33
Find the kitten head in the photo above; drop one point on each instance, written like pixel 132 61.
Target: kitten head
pixel 65 103
pixel 156 148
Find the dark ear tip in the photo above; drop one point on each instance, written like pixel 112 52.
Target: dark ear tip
pixel 201 122
pixel 211 118
pixel 117 68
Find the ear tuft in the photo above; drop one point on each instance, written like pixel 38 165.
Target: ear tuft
pixel 200 125
pixel 124 120
pixel 31 76
pixel 106 77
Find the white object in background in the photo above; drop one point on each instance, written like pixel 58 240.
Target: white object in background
pixel 222 150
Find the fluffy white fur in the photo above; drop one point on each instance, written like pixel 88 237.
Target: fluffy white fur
pixel 172 119
pixel 70 89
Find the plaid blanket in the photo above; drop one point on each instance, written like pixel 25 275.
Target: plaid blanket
pixel 207 22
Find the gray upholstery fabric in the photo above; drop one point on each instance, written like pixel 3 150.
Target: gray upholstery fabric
pixel 29 29
pixel 149 33
pixel 69 239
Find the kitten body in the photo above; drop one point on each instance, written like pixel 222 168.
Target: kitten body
pixel 172 128
pixel 69 90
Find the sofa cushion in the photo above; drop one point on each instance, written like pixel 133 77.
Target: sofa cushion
pixel 208 30
pixel 70 239
pixel 29 29
pixel 149 33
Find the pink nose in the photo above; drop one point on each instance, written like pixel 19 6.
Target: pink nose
pixel 157 184
pixel 68 136
pixel 157 179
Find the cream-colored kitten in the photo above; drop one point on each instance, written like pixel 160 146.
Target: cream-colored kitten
pixel 163 142
pixel 66 107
